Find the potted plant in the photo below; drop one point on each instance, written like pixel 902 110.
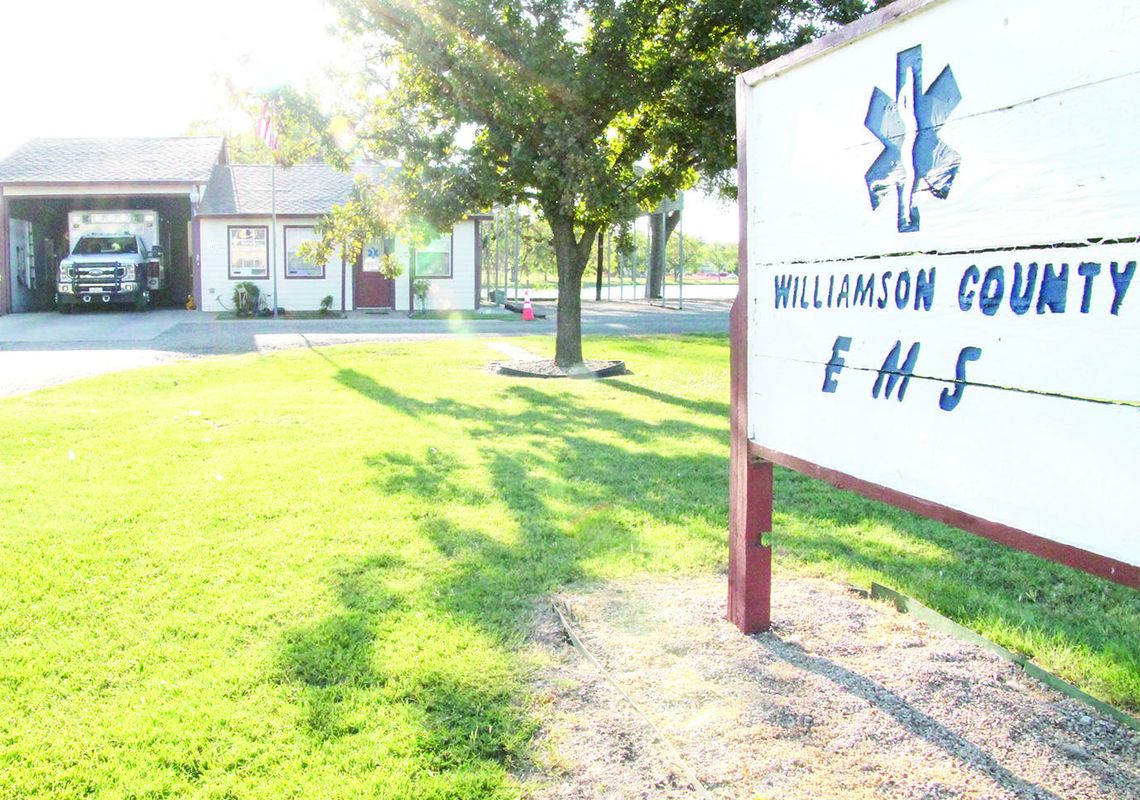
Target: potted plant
pixel 247 299
pixel 420 288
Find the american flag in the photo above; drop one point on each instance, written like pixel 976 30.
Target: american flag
pixel 266 130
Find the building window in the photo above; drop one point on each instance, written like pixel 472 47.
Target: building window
pixel 434 261
pixel 295 266
pixel 249 253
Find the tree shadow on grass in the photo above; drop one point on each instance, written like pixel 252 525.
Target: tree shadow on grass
pixel 713 407
pixel 436 474
pixel 816 524
pixel 546 414
pixel 382 666
pixel 565 486
pixel 587 478
pixel 333 657
pixel 555 502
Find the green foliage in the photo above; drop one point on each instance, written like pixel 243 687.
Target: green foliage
pixel 585 108
pixel 625 243
pixel 702 256
pixel 326 304
pixel 536 246
pixel 687 56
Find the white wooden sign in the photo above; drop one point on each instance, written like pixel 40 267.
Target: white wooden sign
pixel 943 300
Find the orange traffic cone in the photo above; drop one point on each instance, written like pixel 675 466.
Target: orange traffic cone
pixel 528 312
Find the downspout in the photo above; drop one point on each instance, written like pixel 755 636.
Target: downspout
pixel 343 271
pixel 5 266
pixel 478 262
pixel 196 249
pixel 411 282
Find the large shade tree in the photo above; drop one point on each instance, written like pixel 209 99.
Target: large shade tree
pixel 555 102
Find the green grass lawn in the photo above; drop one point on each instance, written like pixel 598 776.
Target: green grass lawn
pixel 310 574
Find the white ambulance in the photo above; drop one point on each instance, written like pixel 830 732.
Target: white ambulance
pixel 115 258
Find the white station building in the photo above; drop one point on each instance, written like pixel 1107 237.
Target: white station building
pixel 215 227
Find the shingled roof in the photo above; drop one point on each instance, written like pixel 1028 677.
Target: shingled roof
pixel 146 160
pixel 304 189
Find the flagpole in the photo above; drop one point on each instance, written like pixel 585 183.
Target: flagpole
pixel 273 223
pixel 268 135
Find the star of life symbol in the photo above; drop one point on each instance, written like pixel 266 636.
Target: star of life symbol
pixel 913 156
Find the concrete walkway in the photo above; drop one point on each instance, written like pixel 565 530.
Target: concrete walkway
pixel 97 325
pixel 44 349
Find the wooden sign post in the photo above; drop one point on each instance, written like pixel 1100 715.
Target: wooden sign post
pixel 939 210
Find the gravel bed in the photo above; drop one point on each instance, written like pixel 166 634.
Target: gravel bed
pixel 845 697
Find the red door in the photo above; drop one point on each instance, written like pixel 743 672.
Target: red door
pixel 370 288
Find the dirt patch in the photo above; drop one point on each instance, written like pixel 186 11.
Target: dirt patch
pixel 845 697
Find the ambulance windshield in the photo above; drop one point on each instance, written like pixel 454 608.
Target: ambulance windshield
pixel 104 245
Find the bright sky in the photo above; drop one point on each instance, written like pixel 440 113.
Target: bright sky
pixel 147 68
pixel 709 218
pixel 153 67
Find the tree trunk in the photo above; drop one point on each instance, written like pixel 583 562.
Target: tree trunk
pixel 572 256
pixel 661 227
pixel 655 275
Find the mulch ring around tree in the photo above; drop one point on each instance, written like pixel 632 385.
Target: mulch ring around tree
pixel 546 368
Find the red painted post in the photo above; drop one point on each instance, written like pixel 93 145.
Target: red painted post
pixel 749 501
